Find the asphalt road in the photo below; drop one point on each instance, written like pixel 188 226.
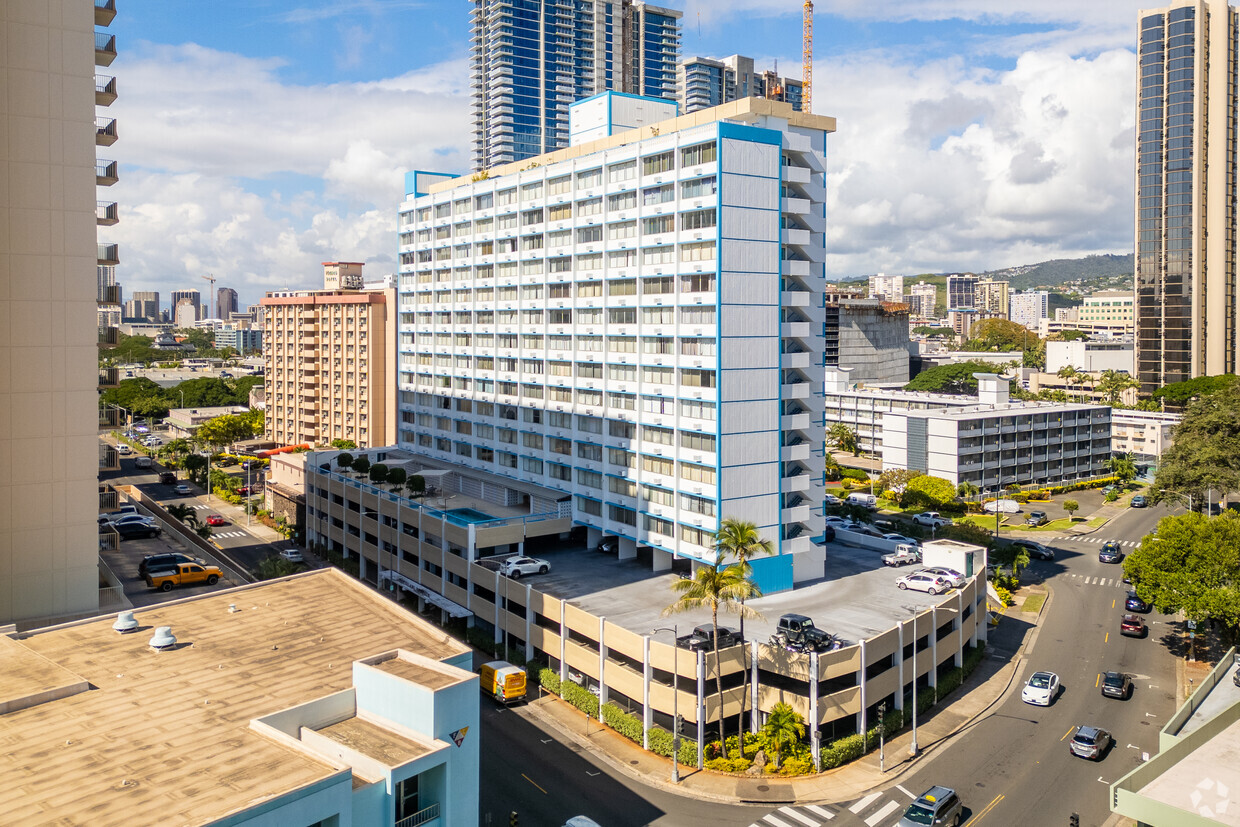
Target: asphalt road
pixel 1013 768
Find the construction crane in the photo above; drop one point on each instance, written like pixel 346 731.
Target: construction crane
pixel 807 55
pixel 211 295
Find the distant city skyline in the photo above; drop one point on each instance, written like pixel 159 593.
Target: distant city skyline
pixel 972 136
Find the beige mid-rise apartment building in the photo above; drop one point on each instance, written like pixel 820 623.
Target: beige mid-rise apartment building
pixel 331 370
pixel 49 293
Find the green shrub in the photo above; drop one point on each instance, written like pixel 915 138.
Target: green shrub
pixel 848 748
pixel 550 680
pixel 854 474
pixel 630 726
pixel 479 639
pixel 579 697
pixel 729 764
pixel 1005 596
pixel 796 766
pixel 661 744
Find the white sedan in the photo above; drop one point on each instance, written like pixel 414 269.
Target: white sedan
pixel 515 567
pixel 923 583
pixel 1041 689
pixel 954 578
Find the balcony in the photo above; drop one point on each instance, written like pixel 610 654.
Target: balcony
pixel 105 48
pixel 109 377
pixel 424 816
pixel 109 336
pixel 105 90
pixel 794 360
pixel 105 131
pixel 109 500
pixel 796 236
pixel 105 12
pixel 794 267
pixel 796 484
pixel 796 545
pixel 796 206
pixel 110 294
pixel 795 298
pixel 794 330
pixel 109 539
pixel 109 458
pixel 105 173
pixel 794 422
pixel 797 175
pixel 794 390
pixel 795 514
pixel 106 213
pixel 793 453
pixel 109 254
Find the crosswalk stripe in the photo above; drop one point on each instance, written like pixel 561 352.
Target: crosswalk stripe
pixel 820 812
pixel 773 820
pixel 865 802
pixel 791 813
pixel 883 813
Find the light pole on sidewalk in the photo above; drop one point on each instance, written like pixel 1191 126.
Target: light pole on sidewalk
pixel 882 729
pixel 675 701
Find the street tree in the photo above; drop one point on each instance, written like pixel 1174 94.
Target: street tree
pixel 954 377
pixel 784 727
pixel 845 438
pixel 1113 384
pixel 896 480
pixel 1179 394
pixel 1192 565
pixel 1204 458
pixel 928 491
pixel 1071 506
pixel 717 588
pixel 740 541
pixel 967 490
pixel 1124 469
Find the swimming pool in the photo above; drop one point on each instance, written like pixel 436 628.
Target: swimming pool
pixel 468 515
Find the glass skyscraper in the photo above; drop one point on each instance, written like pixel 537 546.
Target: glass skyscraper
pixel 1186 309
pixel 532 58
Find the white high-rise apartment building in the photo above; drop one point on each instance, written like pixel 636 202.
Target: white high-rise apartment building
pixel 636 322
pixel 888 288
pixel 922 299
pixel 1029 308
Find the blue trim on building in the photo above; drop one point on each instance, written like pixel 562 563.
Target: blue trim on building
pixel 412 187
pixel 773 574
pixel 753 134
pixel 613 93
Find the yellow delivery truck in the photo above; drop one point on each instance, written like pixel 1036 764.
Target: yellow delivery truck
pixel 503 681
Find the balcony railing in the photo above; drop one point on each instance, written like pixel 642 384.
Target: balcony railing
pixel 420 817
pixel 105 48
pixel 105 90
pixel 105 131
pixel 105 173
pixel 109 254
pixel 105 12
pixel 109 377
pixel 110 294
pixel 106 213
pixel 109 336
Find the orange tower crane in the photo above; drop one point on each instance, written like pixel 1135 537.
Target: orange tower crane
pixel 807 55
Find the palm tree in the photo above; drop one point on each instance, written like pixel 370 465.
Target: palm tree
pixel 784 726
pixel 1124 469
pixel 740 540
pixel 844 438
pixel 715 588
pixel 1068 374
pixel 182 512
pixel 178 448
pixel 967 490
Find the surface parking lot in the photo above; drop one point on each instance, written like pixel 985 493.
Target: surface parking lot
pixel 124 564
pixel 856 598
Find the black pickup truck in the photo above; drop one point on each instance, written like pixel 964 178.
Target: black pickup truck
pixel 703 636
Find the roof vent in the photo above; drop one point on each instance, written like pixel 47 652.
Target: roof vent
pixel 232 608
pixel 125 622
pixel 163 639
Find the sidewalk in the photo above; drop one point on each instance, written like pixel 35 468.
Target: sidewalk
pixel 987 685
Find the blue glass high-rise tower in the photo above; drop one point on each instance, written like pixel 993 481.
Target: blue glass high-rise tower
pixel 532 58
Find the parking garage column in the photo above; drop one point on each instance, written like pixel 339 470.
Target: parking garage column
pixel 701 705
pixel 753 686
pixel 958 623
pixel 813 706
pixel 899 664
pixel 861 712
pixel 934 649
pixel 647 716
pixel 602 663
pixel 660 560
pixel 628 549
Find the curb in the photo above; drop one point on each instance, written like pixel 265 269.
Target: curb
pixel 887 779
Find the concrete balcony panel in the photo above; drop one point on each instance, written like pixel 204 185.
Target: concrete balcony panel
pixel 799 237
pixel 797 175
pixel 792 453
pixel 105 12
pixel 798 484
pixel 105 48
pixel 794 360
pixel 796 545
pixel 105 90
pixel 794 422
pixel 795 206
pixel 795 298
pixel 794 268
pixel 105 131
pixel 106 213
pixel 796 514
pixel 795 390
pixel 794 330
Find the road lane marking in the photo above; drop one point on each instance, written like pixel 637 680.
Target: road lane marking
pixel 773 820
pixel 906 792
pixel 791 813
pixel 1112 603
pixel 1097 679
pixel 820 812
pixel 883 813
pixel 1069 732
pixel 865 802
pixel 984 811
pixel 1106 639
pixel 531 780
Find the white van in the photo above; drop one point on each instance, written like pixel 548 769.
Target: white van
pixel 867 500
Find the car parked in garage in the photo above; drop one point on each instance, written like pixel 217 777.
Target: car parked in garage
pixel 919 582
pixel 517 567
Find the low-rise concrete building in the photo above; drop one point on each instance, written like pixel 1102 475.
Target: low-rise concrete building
pixel 1143 434
pixel 870 337
pixel 1092 356
pixel 183 423
pixel 989 440
pixel 590 616
pixel 304 700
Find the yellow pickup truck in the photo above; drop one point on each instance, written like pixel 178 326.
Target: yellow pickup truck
pixel 165 578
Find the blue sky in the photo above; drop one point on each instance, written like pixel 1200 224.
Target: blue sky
pixel 260 137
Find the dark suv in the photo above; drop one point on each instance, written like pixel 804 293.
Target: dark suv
pixel 1034 550
pixel 1116 685
pixel 1111 553
pixel 154 562
pixel 936 806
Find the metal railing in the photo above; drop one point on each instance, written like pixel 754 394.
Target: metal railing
pixel 420 817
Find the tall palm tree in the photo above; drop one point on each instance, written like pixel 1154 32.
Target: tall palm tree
pixel 967 490
pixel 740 540
pixel 715 588
pixel 783 726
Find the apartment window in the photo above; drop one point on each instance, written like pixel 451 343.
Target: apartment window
pixel 622 171
pixel 696 314
pixel 592 261
pixel 590 178
pixel 656 285
pixel 559 472
pixel 697 251
pixel 560 446
pixel 622 315
pixel 694 378
pixel 586 451
pixel 590 424
pixel 593 507
pixel 560 186
pixel 623 487
pixel 590 398
pixel 619 456
pixel 561 316
pixel 697 409
pixel 484 202
pixel 532 242
pixel 658 496
pixel 662 162
pixel 658 255
pixel 534 441
pixel 658 376
pixel 653 196
pixel 621 430
pixel 589 289
pixel 655 525
pixel 621 229
pixel 506 197
pixel 622 258
pixel 697 347
pixel 698 188
pixel 589 235
pixel 697 283
pixel 590 206
pixel 622 401
pixel 658 315
pixel 622 200
pixel 658 405
pixel 697 442
pixel 560 212
pixel 697 473
pixel 590 479
pixel 659 436
pixel 589 370
pixel 696 536
pixel 701 154
pixel 531 465
pixel 622 373
pixel 593 344
pixel 657 345
pixel 622 287
pixel 590 316
pixel 659 224
pixel 530 192
pixel 697 220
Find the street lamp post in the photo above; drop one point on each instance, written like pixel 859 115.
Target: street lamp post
pixel 882 727
pixel 675 701
pixel 249 492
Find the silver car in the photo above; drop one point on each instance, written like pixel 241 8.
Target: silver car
pixel 515 567
pixel 953 577
pixel 937 806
